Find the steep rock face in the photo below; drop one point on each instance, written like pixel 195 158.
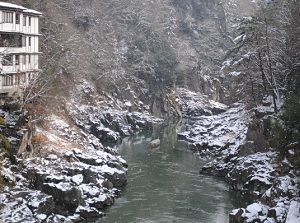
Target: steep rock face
pixel 238 141
pixel 220 134
pixel 17 129
pixel 105 122
pixel 192 104
pixel 248 167
pixel 242 160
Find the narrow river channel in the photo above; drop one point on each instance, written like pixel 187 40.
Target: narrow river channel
pixel 164 184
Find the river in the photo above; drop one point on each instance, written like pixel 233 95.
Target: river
pixel 164 184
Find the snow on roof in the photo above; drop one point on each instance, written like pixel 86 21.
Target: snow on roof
pixel 31 11
pixel 10 5
pixel 14 6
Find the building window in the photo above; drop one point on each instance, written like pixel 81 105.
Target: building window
pixel 24 20
pixel 29 41
pixel 17 59
pixel 29 21
pixel 7 60
pixel 7 17
pixel 7 80
pixel 17 18
pixel 18 40
pixel 24 59
pixel 23 41
pixel 29 59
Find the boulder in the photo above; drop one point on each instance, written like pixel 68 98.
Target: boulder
pixel 236 216
pixel 65 194
pixel 59 219
pixel 118 178
pixel 89 212
pixel 154 143
pixel 101 201
pixel 41 203
pixel 105 134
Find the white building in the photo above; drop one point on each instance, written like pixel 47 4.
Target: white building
pixel 19 47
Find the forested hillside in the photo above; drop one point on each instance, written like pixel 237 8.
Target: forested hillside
pixel 149 47
pixel 228 50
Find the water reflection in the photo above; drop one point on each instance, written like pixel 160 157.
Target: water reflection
pixel 164 184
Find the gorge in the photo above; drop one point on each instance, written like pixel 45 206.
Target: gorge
pixel 115 72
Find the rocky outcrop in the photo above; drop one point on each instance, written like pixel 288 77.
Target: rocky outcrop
pixel 72 183
pixel 78 177
pixel 281 208
pixel 69 176
pixel 218 135
pixel 18 130
pixel 237 141
pixel 111 126
pixel 194 104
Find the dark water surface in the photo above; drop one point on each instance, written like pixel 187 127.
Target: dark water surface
pixel 164 184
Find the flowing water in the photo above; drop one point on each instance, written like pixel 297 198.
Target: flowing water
pixel 164 184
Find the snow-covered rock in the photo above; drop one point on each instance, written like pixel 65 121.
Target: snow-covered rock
pixel 197 104
pixel 218 135
pixel 154 143
pixel 76 180
pixel 110 125
pixel 236 139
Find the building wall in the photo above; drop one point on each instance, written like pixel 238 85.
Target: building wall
pixel 33 28
pixel 24 56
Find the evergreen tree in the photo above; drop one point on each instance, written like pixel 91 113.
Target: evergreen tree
pixel 287 129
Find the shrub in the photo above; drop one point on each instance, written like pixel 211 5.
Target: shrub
pixel 39 139
pixel 5 146
pixel 4 142
pixel 286 131
pixel 2 121
pixel 4 152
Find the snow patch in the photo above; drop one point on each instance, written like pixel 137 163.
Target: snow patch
pixel 293 215
pixel 77 179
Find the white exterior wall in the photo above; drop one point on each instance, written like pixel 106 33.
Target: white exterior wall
pixel 29 32
pixel 32 29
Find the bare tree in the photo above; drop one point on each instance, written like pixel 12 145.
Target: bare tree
pixel 262 49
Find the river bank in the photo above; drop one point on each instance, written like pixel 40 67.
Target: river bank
pixel 237 139
pixel 65 174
